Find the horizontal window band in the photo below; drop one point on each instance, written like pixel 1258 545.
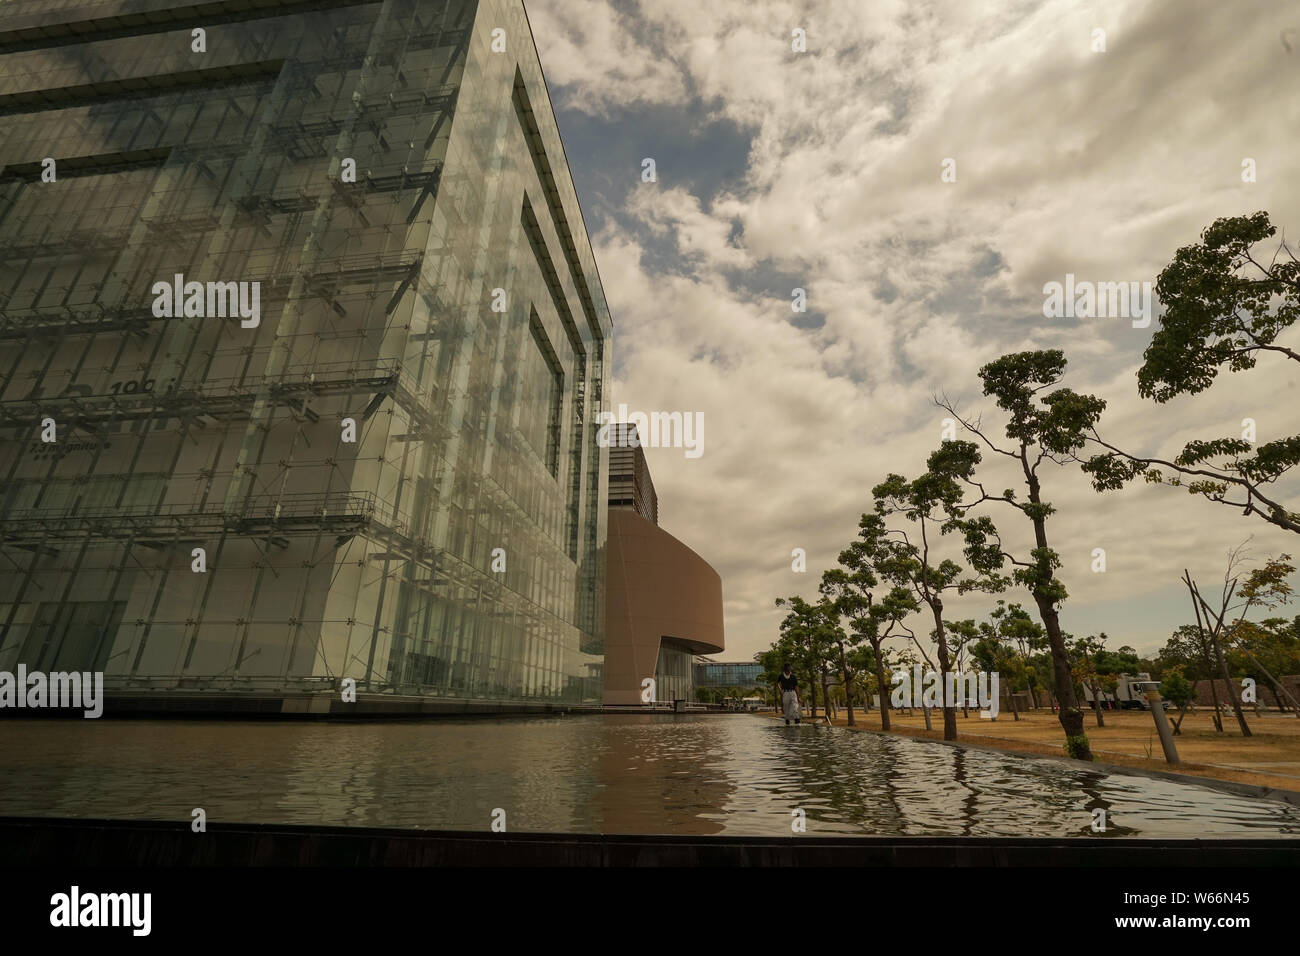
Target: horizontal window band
pixel 109 91
pixel 99 165
pixel 159 21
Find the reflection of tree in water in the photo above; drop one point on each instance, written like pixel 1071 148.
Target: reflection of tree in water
pixel 1093 785
pixel 969 801
pixel 834 774
pixel 700 775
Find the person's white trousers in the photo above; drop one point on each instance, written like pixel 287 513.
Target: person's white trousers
pixel 790 701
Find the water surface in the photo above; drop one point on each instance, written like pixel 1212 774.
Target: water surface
pixel 679 774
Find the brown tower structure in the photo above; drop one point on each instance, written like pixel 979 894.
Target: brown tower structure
pixel 663 601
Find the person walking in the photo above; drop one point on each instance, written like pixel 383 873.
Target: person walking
pixel 789 694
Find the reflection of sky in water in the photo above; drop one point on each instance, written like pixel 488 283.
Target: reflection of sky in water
pixel 730 774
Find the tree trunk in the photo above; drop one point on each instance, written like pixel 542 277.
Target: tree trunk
pixel 848 686
pixel 1205 653
pixel 1069 714
pixel 884 692
pixel 1096 700
pixel 945 666
pixel 1214 697
pixel 926 713
pixel 1071 717
pixel 1227 683
pixel 1014 712
pixel 812 692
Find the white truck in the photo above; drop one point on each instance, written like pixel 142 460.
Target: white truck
pixel 1131 691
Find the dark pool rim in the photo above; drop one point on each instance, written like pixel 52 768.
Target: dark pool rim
pixel 49 841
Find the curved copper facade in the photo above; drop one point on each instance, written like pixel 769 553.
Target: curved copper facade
pixel 656 588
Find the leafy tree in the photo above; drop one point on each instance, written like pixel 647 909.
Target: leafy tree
pixel 961 635
pixel 926 501
pixel 996 653
pixel 1177 689
pixel 1040 428
pixel 1122 661
pixel 813 631
pixel 1265 587
pixel 849 596
pixel 863 664
pixel 1225 304
pixel 1012 624
pixel 1216 624
pixel 1188 650
pixel 852 585
pixel 790 649
pixel 1262 649
pixel 772 661
pixel 1085 669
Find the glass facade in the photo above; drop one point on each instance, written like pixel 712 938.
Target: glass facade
pixel 728 674
pixel 673 671
pixel 391 472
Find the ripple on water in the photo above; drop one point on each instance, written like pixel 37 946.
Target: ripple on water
pixel 730 774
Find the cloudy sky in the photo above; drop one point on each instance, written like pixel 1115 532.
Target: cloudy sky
pixel 822 170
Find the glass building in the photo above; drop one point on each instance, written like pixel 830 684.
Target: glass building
pixel 303 348
pixel 727 674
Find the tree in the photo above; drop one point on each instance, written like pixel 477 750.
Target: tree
pixel 812 630
pixel 1012 624
pixel 926 502
pixel 1262 649
pixel 1085 669
pixel 849 596
pixel 852 585
pixel 1040 428
pixel 1224 307
pixel 866 680
pixel 996 651
pixel 1188 650
pixel 1216 623
pixel 1265 587
pixel 961 634
pixel 1179 691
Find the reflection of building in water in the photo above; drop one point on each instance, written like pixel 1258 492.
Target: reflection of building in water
pixel 393 473
pixel 661 773
pixel 663 601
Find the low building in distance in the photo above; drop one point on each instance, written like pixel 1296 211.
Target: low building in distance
pixel 745 674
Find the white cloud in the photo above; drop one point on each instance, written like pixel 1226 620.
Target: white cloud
pixel 1100 164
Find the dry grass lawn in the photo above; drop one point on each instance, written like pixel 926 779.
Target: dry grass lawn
pixel 1270 757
